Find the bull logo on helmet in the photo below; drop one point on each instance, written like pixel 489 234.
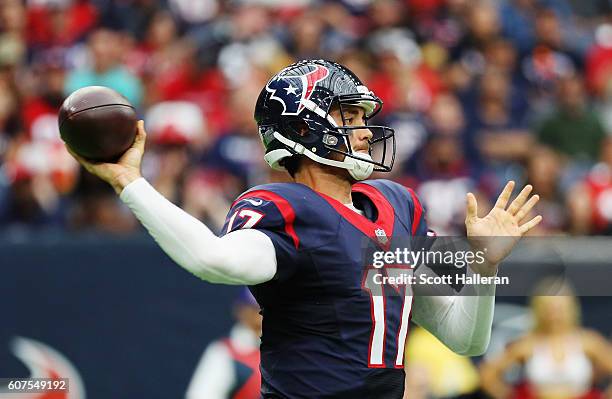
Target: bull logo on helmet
pixel 292 91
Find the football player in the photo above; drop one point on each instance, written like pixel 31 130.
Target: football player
pixel 298 245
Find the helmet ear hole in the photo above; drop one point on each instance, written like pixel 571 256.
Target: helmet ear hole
pixel 299 130
pixel 299 127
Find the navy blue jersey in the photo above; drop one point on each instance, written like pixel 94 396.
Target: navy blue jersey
pixel 325 333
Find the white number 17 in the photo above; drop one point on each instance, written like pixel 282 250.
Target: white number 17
pixel 376 355
pixel 253 217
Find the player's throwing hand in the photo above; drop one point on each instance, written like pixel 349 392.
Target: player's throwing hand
pixel 127 168
pixel 499 231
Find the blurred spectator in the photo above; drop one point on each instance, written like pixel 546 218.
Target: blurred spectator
pixel 549 33
pixel 402 81
pixel 30 202
pixel 544 174
pixel 239 150
pixel 416 385
pixel 59 22
pixel 177 132
pixel 171 158
pixel 131 16
pixel 249 44
pixel 440 171
pixel 341 28
pixel 10 121
pixel 177 122
pixel 598 68
pixel 443 373
pixel 573 129
pixel 438 21
pixel 307 36
pixel 38 172
pixel 194 13
pixel 105 69
pixel 548 60
pixel 402 86
pixel 37 166
pixel 229 368
pixel 513 64
pixel 43 95
pixel 207 195
pixel 590 200
pixel 502 56
pixel 598 73
pixel 96 207
pixel 154 54
pixel 498 138
pixel 240 41
pixel 590 9
pixel 173 74
pixel 465 83
pixel 385 14
pixel 482 28
pixel 559 357
pixel 12 34
pixel 517 22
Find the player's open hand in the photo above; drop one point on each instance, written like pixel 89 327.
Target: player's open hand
pixel 499 231
pixel 127 168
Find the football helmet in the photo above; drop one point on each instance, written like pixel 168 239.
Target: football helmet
pixel 293 118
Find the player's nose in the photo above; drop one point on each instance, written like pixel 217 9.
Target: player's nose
pixel 360 139
pixel 364 134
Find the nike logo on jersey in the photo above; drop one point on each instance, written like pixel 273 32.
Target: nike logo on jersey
pixel 254 202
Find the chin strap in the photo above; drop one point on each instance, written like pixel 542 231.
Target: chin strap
pixel 361 169
pixel 357 168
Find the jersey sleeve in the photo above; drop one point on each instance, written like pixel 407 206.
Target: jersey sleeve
pixel 272 215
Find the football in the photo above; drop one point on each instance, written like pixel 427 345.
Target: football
pixel 97 123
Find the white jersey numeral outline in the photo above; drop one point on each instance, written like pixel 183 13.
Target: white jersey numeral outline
pixel 253 217
pixel 376 354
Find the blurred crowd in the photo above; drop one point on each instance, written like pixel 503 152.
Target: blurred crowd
pixel 479 92
pixel 540 352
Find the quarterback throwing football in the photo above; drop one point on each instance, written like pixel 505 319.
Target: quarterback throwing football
pixel 298 245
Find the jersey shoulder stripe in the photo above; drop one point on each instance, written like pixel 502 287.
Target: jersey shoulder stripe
pixel 417 210
pixel 406 203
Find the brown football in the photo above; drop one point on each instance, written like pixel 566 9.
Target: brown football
pixel 97 123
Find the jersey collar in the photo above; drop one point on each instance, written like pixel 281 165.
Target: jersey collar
pixel 381 230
